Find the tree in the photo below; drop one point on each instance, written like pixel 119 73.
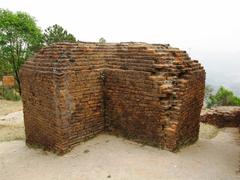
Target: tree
pixel 19 39
pixel 223 97
pixel 208 92
pixel 102 40
pixel 5 67
pixel 56 33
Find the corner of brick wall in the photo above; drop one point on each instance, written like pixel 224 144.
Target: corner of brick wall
pixel 149 93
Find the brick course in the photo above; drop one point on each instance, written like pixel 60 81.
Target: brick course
pixel 151 93
pixel 222 116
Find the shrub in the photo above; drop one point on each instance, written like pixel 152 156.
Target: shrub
pixel 223 97
pixel 9 94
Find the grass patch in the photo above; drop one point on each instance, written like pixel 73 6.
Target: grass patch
pixel 9 94
pixel 208 131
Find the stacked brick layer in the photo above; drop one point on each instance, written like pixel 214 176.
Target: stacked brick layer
pixel 222 116
pixel 151 93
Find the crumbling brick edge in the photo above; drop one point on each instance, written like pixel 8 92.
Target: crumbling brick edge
pixel 149 93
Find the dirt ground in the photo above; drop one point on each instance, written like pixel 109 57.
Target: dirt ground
pixel 7 107
pixel 11 121
pixel 215 155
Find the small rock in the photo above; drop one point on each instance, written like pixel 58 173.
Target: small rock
pixel 86 151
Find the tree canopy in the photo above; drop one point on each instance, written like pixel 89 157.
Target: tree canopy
pixel 19 39
pixel 223 97
pixel 102 40
pixel 56 33
pixel 208 93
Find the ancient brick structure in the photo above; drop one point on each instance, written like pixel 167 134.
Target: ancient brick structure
pixel 222 116
pixel 151 93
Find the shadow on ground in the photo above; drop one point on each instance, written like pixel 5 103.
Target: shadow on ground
pixel 214 156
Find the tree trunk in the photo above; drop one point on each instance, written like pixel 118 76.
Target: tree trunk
pixel 18 81
pixel 15 70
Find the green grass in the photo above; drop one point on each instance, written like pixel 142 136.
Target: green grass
pixel 9 94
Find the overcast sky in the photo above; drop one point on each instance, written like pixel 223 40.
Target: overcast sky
pixel 208 29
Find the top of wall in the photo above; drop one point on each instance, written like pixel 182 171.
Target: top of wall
pixel 81 56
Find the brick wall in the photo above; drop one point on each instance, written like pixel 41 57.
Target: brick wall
pixel 150 93
pixel 222 116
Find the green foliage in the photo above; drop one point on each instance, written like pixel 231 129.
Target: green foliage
pixel 9 94
pixel 19 39
pixel 208 92
pixel 56 33
pixel 102 40
pixel 223 97
pixel 5 68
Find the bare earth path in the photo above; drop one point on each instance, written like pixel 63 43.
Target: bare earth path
pixel 11 120
pixel 7 107
pixel 106 157
pixel 110 157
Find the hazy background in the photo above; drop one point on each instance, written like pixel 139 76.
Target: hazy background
pixel 207 29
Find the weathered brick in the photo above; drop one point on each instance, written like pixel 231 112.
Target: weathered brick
pixel 222 116
pixel 150 93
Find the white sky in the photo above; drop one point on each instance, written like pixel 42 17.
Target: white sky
pixel 208 29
